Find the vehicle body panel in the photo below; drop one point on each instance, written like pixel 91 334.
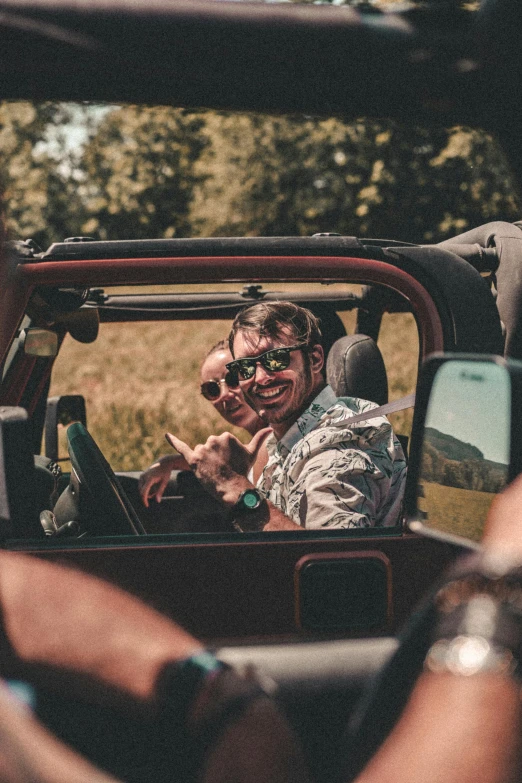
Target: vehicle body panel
pixel 239 591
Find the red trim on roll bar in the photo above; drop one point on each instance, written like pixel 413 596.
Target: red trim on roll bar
pixel 222 269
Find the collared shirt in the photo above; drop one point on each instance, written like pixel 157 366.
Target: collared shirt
pixel 325 474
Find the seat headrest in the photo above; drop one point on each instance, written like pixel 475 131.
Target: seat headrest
pixel 331 325
pixel 355 368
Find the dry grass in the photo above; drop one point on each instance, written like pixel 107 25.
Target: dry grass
pixel 399 345
pixel 140 380
pixel 458 511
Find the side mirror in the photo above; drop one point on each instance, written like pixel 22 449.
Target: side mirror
pixel 40 342
pixel 61 410
pixel 465 446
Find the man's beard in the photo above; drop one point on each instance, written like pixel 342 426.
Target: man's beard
pixel 293 412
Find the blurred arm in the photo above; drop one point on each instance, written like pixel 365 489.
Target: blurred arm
pixel 65 630
pixel 462 728
pixel 453 730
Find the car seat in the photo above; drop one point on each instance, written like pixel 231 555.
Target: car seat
pixel 330 323
pixel 355 368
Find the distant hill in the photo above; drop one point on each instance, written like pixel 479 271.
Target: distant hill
pixel 449 461
pixel 451 447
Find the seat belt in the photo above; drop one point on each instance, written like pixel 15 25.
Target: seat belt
pixel 384 410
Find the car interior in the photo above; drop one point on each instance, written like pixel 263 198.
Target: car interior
pixel 354 362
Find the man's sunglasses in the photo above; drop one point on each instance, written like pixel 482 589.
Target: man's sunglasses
pixel 276 360
pixel 211 390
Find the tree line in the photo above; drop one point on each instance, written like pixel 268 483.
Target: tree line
pixel 480 475
pixel 145 172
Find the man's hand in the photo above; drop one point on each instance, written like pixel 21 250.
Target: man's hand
pixel 153 481
pixel 222 463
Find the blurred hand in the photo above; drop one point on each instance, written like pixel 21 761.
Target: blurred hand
pixel 63 626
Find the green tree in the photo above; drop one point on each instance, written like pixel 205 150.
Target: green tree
pixel 162 172
pixel 138 173
pixel 38 198
pixel 295 175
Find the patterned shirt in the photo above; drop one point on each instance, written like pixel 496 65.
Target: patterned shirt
pixel 325 474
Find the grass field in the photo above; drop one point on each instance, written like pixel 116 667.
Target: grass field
pixel 140 380
pixel 458 511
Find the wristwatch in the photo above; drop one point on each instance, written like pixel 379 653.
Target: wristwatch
pixel 250 512
pixel 469 655
pixel 479 626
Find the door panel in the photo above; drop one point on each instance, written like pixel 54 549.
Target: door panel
pixel 238 590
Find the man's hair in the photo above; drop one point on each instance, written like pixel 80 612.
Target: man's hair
pixel 269 319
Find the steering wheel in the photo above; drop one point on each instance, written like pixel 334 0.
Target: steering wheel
pixel 103 506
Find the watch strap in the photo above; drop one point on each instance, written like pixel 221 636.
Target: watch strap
pixel 180 681
pixel 229 695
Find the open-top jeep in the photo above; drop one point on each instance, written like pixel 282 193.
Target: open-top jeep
pixel 292 601
pixel 183 554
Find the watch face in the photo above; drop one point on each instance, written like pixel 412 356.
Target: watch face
pixel 251 499
pixel 251 512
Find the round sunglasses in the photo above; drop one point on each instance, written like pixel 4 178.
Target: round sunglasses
pixel 211 390
pixel 275 360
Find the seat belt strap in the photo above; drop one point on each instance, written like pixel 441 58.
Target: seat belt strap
pixel 384 410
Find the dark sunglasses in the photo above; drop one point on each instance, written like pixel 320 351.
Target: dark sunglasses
pixel 211 390
pixel 276 360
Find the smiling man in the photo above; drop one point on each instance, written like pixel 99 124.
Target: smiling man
pixel 322 473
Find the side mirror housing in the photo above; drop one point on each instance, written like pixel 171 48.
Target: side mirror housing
pixel 466 444
pixel 61 410
pixel 18 509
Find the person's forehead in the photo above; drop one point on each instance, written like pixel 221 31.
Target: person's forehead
pixel 252 343
pixel 213 368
